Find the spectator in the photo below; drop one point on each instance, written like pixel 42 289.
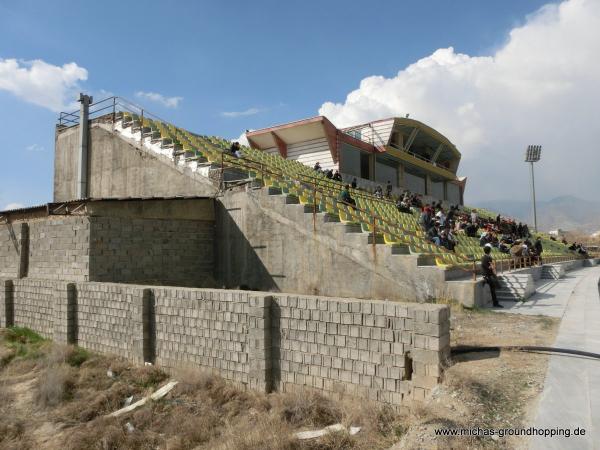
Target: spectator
pixel 329 174
pixel 388 189
pixel 441 217
pixel 474 217
pixel 489 274
pixel 337 176
pixel 447 239
pixel 236 150
pixel 317 167
pixel 433 235
pixel 354 183
pixel 403 207
pixel 425 219
pixel 346 197
pixel 378 192
pixel 538 248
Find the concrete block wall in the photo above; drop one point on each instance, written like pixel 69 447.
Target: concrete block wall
pixel 177 252
pixel 384 351
pixel 33 303
pixel 10 249
pixel 105 318
pixel 59 248
pixel 206 328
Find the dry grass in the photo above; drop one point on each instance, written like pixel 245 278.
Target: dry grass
pixel 55 385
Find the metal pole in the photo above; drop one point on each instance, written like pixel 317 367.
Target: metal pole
pixel 82 172
pixel 533 194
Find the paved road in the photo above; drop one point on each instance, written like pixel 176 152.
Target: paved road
pixel 571 395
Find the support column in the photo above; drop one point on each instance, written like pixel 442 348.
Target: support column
pixel 82 172
pixel 23 250
pixel 143 327
pixel 259 343
pixel 7 306
pixel 65 314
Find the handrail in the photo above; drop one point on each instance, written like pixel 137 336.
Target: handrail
pixel 120 104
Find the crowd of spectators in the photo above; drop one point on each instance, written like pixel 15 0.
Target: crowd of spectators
pixel 441 225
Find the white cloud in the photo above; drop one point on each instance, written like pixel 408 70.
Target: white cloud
pixel 247 112
pixel 11 206
pixel 35 148
pixel 540 87
pixel 52 87
pixel 169 102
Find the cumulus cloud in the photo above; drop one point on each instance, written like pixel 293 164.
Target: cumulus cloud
pixel 540 87
pixel 169 102
pixel 52 87
pixel 247 112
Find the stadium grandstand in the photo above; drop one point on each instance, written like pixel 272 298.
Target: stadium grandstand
pixel 405 152
pixel 296 231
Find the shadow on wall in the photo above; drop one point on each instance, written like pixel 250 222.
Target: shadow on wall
pixel 238 264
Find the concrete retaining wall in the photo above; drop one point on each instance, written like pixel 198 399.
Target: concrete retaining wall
pixel 384 351
pixel 119 168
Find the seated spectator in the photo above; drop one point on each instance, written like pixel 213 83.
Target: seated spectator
pixel 235 147
pixel 388 189
pixel 471 230
pixel 403 207
pixel 317 167
pixel 503 246
pixel 346 197
pixel 441 217
pixel 447 240
pixel 433 235
pixel 354 183
pixel 337 176
pixel 329 174
pixel 425 220
pixel 378 192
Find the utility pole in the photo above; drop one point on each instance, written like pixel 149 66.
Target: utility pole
pixel 532 155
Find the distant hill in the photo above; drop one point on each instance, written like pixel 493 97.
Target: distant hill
pixel 566 212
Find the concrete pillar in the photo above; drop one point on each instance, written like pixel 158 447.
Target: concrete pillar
pixel 7 307
pixel 427 185
pixel 82 168
pixel 144 330
pixel 401 180
pixel 259 343
pixel 23 250
pixel 65 314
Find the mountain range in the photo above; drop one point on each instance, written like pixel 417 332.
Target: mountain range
pixel 566 212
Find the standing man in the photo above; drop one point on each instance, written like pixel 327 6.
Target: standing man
pixel 489 273
pixel 538 249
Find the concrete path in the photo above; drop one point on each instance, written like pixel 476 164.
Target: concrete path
pixel 571 395
pixel 551 296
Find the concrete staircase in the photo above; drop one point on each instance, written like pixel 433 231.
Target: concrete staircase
pixel 553 272
pixel 515 286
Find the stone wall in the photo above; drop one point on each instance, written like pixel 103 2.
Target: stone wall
pixel 384 351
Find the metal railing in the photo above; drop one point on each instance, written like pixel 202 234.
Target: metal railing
pixel 113 105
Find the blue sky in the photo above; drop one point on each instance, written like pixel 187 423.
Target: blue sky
pixel 263 62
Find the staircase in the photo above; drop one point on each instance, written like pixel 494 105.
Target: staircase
pixel 553 272
pixel 515 287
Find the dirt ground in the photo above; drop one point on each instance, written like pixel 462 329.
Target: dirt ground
pixel 56 397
